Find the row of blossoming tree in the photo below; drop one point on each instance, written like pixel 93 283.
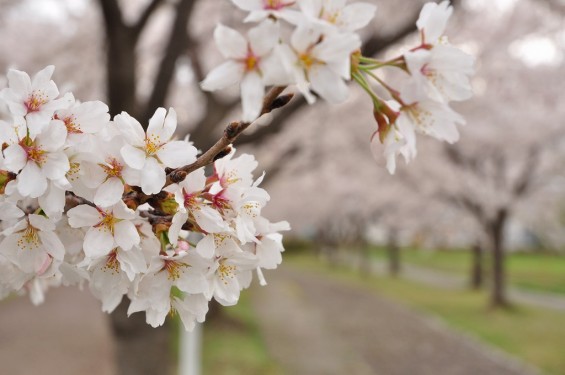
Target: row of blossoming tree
pixel 87 199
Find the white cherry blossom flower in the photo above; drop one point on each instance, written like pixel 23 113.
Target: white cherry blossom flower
pixel 38 160
pixel 112 275
pixel 107 228
pixel 443 72
pixel 153 151
pixel 262 9
pixel 433 20
pixel 186 271
pixel 32 244
pixel 337 15
pixel 192 206
pixel 191 308
pixel 249 62
pixel 33 98
pixel 320 63
pixel 83 120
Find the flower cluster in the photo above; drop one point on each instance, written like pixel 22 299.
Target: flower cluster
pixel 322 53
pixel 88 200
pixel 130 211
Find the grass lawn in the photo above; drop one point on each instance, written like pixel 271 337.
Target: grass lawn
pixel 539 272
pixel 233 344
pixel 535 335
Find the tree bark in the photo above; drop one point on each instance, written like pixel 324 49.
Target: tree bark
pixel 140 348
pixel 393 252
pixel 498 298
pixel 477 267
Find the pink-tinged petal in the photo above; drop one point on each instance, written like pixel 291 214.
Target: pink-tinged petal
pixel 311 8
pixel 53 202
pixel 9 211
pixel 19 82
pixel 328 84
pixel 53 137
pixel 433 20
pixel 176 154
pixel 358 15
pixel 153 177
pixel 195 181
pixel 249 5
pixel 126 235
pixel 15 158
pixel 37 122
pixel 56 165
pixel 109 193
pixel 231 43
pixel 43 76
pixel 132 263
pixel 263 38
pixel 337 47
pixel 303 38
pixel 252 92
pixel 227 74
pixel 41 222
pixel 206 247
pixel 133 156
pixel 83 216
pixel 98 242
pixel 193 308
pixel 176 225
pixel 130 128
pixel 52 244
pixel 31 181
pixel 210 220
pixel 122 211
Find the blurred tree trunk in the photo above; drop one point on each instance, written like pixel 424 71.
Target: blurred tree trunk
pixel 393 253
pixel 477 266
pixel 498 298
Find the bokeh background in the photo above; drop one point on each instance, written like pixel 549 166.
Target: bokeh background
pixel 454 265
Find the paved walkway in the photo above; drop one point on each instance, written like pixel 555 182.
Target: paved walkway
pixel 314 325
pixel 67 335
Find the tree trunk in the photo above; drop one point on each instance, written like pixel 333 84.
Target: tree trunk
pixel 477 267
pixel 498 297
pixel 393 252
pixel 121 65
pixel 140 348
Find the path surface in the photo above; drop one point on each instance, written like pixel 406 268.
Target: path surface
pixel 314 325
pixel 67 335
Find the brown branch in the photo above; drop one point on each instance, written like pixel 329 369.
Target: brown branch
pixel 271 101
pixel 177 45
pixel 145 16
pixel 112 15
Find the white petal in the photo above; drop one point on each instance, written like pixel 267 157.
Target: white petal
pixel 230 42
pixel 263 38
pixel 98 242
pixel 133 156
pixel 52 244
pixel 56 165
pixel 195 181
pixel 225 75
pixel 15 158
pixel 31 181
pixel 83 216
pixel 252 92
pixel 43 76
pixel 358 15
pixel 126 235
pixel 19 82
pixel 109 193
pixel 153 177
pixel 176 154
pixel 328 84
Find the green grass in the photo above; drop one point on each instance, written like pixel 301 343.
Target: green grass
pixel 233 344
pixel 535 335
pixel 533 271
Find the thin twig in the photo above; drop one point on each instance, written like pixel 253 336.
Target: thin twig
pixel 232 131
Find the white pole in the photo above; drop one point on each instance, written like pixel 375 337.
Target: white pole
pixel 190 351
